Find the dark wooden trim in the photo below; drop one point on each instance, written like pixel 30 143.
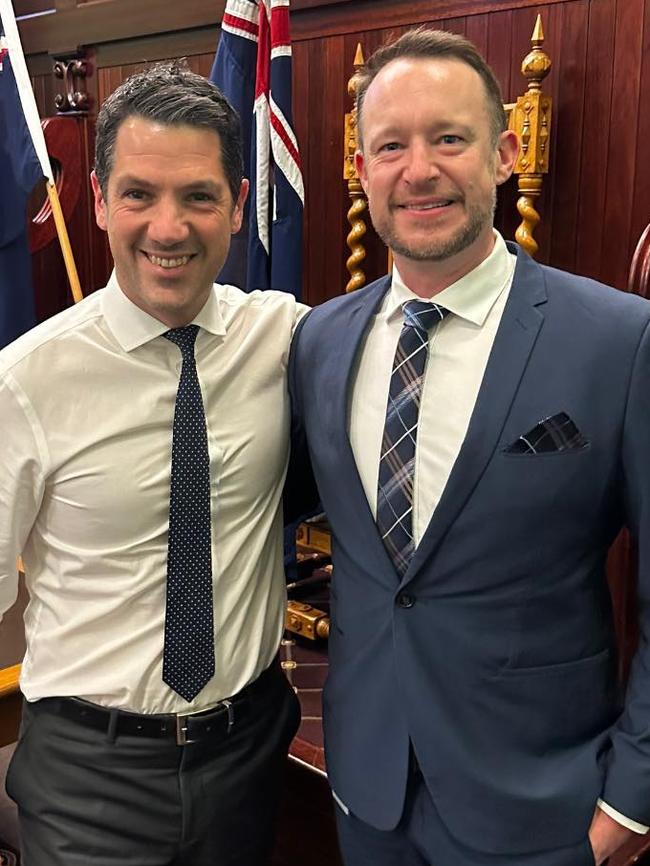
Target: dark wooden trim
pixel 40 64
pixel 368 15
pixel 10 704
pixel 31 7
pixel 160 47
pixel 104 21
pixel 111 20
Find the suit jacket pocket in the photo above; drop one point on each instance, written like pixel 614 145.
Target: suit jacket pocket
pixel 555 669
pixel 531 457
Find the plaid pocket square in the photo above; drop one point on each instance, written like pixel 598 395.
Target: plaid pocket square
pixel 557 433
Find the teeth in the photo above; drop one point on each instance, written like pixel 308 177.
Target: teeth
pixel 427 206
pixel 169 263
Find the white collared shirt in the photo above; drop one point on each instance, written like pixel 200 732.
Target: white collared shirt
pixel 459 348
pixel 87 402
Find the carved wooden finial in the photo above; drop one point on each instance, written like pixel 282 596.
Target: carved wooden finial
pixel 538 32
pixel 536 64
pixel 531 120
pixel 359 60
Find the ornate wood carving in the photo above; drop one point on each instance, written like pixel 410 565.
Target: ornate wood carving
pixel 359 204
pixel 73 71
pixel 530 118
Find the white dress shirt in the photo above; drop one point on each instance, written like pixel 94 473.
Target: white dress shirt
pixel 86 408
pixel 459 348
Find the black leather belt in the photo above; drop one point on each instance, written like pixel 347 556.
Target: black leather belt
pixel 186 728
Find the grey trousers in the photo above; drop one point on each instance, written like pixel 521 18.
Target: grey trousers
pixel 85 800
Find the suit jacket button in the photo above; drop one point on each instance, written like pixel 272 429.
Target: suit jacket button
pixel 405 600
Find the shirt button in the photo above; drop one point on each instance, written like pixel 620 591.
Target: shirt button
pixel 405 600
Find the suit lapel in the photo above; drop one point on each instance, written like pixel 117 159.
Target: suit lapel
pixel 522 318
pixel 348 346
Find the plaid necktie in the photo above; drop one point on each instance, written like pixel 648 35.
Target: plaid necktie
pixel 397 462
pixel 188 658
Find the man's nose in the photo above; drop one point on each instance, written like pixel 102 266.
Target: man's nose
pixel 421 165
pixel 168 225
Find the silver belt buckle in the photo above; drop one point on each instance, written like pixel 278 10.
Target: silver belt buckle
pixel 181 722
pixel 181 730
pixel 227 705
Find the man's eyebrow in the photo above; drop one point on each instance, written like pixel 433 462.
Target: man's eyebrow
pixel 132 180
pixel 395 130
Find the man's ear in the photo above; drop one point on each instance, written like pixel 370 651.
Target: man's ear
pixel 506 155
pixel 238 210
pixel 100 204
pixel 360 165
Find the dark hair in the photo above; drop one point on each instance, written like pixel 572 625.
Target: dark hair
pixel 429 44
pixel 171 94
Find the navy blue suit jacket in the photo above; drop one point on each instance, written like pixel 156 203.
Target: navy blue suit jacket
pixel 502 671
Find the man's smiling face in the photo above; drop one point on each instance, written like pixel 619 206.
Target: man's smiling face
pixel 169 214
pixel 430 165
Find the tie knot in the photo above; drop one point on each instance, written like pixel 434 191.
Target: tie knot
pixel 183 337
pixel 423 315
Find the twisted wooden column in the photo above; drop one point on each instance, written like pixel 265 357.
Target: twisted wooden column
pixel 530 118
pixel 359 206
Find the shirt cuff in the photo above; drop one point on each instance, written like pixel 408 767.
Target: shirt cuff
pixel 625 822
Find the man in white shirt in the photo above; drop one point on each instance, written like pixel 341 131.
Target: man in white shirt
pixel 145 443
pixel 479 428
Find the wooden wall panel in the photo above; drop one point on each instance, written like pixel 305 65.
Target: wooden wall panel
pixel 640 217
pixel 567 138
pixel 596 200
pixel 595 137
pixel 623 125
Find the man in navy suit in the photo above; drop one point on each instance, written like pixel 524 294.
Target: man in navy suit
pixel 479 428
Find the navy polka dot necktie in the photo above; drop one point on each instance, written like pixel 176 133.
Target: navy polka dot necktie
pixel 188 658
pixel 397 461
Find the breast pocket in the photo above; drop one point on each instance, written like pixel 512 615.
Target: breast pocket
pixel 551 480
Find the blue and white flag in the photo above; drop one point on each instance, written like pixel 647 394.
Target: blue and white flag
pixel 20 170
pixel 253 69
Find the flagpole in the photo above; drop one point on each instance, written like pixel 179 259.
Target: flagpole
pixel 64 241
pixel 26 95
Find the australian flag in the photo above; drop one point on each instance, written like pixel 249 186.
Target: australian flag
pixel 20 170
pixel 253 69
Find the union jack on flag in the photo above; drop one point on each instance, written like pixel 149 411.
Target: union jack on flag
pixel 252 68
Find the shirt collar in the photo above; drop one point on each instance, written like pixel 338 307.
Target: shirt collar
pixel 132 327
pixel 472 296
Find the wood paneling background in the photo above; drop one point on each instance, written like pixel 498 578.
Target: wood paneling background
pixel 595 202
pixel 596 199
